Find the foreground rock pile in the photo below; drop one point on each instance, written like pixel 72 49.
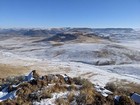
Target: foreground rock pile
pixel 55 89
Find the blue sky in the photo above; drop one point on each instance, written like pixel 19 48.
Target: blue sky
pixel 69 13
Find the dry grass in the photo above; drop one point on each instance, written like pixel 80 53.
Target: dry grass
pixel 12 80
pixel 87 92
pixel 61 101
pixel 88 74
pixel 71 96
pixel 10 70
pixel 123 87
pixel 82 81
pixel 57 88
pixel 46 94
pixel 72 87
pixel 125 100
pixel 56 43
pixel 65 101
pixel 87 95
pixel 86 39
pixel 56 70
pixel 36 90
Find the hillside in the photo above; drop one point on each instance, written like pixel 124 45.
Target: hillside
pixel 74 49
pixel 100 56
pixel 57 89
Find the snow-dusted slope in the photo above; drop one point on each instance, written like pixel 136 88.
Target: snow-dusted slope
pixel 96 54
pixel 99 60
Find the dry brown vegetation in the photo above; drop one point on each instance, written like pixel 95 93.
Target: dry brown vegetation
pixel 10 70
pixel 125 100
pixel 53 43
pixel 80 91
pixel 122 87
pixel 88 39
pixel 87 95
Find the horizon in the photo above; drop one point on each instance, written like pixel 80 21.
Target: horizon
pixel 71 13
pixel 68 27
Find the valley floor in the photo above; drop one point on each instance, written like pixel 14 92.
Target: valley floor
pixel 26 56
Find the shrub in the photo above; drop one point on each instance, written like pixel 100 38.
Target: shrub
pixel 70 97
pixel 61 101
pixel 88 95
pixel 81 99
pixel 14 80
pixel 58 88
pixel 125 100
pixel 123 87
pixel 46 94
pixel 72 87
pixel 111 86
pixel 83 82
pixel 99 100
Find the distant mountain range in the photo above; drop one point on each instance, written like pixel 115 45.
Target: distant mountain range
pixel 111 33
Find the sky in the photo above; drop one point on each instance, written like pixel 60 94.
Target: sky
pixel 69 13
